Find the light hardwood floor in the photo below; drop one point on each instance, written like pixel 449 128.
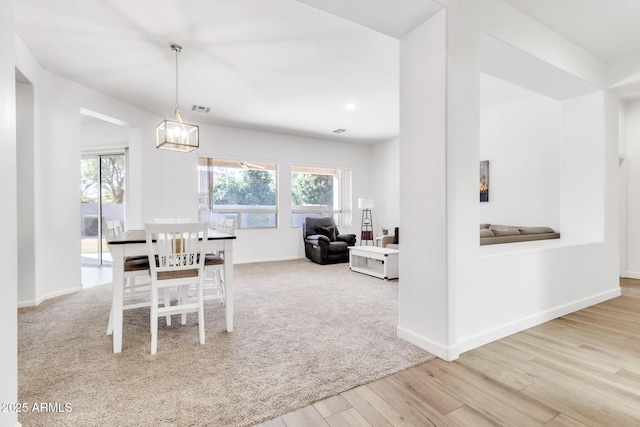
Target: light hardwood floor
pixel 582 369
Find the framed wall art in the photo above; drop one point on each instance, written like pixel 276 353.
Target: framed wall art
pixel 484 180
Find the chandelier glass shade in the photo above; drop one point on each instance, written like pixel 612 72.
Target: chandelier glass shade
pixel 176 135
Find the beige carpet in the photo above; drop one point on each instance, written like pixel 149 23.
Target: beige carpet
pixel 302 332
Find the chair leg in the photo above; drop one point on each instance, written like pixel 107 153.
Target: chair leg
pixel 222 286
pixel 154 320
pixel 183 296
pixel 200 313
pixel 166 295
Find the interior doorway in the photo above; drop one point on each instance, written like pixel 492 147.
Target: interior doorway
pixel 102 199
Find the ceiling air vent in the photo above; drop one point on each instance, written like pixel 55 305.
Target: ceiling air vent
pixel 340 131
pixel 200 109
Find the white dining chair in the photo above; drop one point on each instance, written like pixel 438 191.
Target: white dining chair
pixel 176 257
pixel 172 220
pixel 214 286
pixel 136 293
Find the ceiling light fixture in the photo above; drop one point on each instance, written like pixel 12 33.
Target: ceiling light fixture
pixel 175 135
pixel 351 106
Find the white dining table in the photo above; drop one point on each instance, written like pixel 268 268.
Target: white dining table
pixel 133 243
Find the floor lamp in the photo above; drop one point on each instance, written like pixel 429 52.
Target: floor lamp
pixel 366 234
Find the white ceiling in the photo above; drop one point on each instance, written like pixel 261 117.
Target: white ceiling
pixel 608 29
pixel 276 65
pixel 511 64
pixel 280 65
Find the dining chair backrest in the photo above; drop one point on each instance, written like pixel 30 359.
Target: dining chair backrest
pixel 229 226
pixel 172 220
pixel 175 249
pixel 220 225
pixel 112 228
pixel 176 254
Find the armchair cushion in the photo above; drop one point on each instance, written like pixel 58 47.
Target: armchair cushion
pixel 317 238
pixel 329 231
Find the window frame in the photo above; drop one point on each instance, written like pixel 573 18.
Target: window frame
pixel 238 213
pixel 343 213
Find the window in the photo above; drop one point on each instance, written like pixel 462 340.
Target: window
pixel 319 192
pixel 244 191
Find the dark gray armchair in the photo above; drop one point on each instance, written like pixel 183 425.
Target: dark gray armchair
pixel 323 243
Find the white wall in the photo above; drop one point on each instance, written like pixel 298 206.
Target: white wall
pixel 385 181
pixel 623 175
pixel 8 217
pixel 566 275
pixel 632 164
pixel 521 140
pixel 424 311
pixel 487 293
pixel 26 175
pixel 96 134
pixel 55 161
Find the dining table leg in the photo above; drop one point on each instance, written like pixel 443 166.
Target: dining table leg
pixel 228 280
pixel 116 305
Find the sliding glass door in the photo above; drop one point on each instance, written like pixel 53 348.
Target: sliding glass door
pixel 102 199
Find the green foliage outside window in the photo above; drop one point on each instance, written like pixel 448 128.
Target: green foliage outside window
pixel 238 187
pixel 311 189
pixel 112 179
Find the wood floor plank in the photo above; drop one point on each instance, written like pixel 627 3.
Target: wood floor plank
pixel 513 354
pixel 591 384
pixel 466 416
pixel 587 332
pixel 373 408
pixel 490 407
pixel 428 390
pixel 537 346
pixel 275 422
pixel 613 326
pixel 563 420
pixel 485 360
pixel 413 406
pixel 529 407
pixel 305 417
pixel 331 405
pixel 596 346
pixel 573 404
pixel 631 374
pixel 347 418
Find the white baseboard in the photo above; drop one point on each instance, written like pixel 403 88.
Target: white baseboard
pixel 631 275
pixel 450 353
pixel 477 340
pixel 33 303
pixel 437 349
pixel 253 261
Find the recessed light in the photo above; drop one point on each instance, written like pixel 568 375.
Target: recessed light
pixel 351 106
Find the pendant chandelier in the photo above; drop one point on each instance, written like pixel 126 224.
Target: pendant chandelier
pixel 175 135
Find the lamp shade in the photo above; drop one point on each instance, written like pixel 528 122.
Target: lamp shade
pixel 365 203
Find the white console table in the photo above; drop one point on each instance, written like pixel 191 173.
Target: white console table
pixel 374 261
